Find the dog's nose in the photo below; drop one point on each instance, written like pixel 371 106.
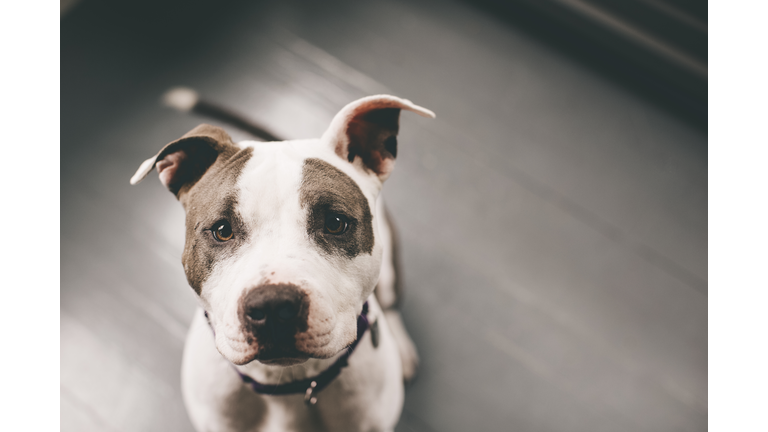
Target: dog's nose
pixel 278 309
pixel 274 313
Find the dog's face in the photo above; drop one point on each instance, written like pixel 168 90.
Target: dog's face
pixel 280 237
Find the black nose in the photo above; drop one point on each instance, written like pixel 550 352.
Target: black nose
pixel 274 313
pixel 281 310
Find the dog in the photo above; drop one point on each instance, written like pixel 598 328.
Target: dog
pixel 291 254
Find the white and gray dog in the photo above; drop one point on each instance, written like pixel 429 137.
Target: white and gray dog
pixel 292 257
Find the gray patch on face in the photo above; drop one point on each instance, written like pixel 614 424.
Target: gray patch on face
pixel 325 190
pixel 210 200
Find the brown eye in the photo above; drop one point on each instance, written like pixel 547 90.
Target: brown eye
pixel 222 231
pixel 335 224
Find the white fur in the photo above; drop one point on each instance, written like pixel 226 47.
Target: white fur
pixel 144 169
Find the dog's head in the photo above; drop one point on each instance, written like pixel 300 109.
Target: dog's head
pixel 280 237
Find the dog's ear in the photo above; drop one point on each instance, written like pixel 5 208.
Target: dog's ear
pixel 367 129
pixel 181 163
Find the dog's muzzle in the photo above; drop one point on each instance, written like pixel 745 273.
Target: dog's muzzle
pixel 271 315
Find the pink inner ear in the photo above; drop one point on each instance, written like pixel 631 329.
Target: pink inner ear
pixel 168 167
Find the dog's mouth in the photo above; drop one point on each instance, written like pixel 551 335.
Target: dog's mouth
pixel 276 357
pixel 284 361
pixel 247 349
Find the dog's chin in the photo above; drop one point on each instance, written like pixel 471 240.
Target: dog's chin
pixel 283 361
pixel 271 359
pixel 274 356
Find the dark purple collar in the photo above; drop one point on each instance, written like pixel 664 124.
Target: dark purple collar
pixel 309 386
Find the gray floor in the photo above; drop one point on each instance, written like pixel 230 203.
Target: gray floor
pixel 554 225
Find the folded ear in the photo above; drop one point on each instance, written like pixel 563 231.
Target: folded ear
pixel 181 163
pixel 367 129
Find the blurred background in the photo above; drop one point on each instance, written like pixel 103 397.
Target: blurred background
pixel 553 218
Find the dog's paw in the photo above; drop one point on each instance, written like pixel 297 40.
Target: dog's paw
pixel 408 354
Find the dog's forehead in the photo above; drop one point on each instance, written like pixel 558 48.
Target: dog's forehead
pixel 275 172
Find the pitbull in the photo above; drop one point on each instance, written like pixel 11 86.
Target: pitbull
pixel 291 255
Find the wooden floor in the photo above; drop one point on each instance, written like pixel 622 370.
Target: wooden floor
pixel 553 224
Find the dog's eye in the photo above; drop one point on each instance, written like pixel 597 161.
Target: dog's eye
pixel 222 231
pixel 336 224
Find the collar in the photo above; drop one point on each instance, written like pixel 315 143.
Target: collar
pixel 310 386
